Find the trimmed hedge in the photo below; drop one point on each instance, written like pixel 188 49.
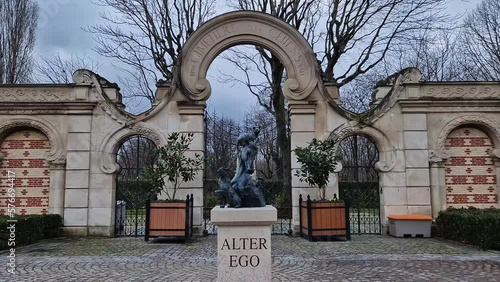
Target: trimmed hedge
pixel 480 227
pixel 30 228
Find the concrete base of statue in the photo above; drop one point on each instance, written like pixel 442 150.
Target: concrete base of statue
pixel 244 243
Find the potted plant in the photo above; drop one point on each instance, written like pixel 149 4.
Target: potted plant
pixel 320 218
pixel 171 217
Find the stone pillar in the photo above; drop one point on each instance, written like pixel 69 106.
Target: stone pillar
pixel 76 194
pixel 57 185
pixel 244 243
pixel 435 189
pixel 438 181
pixel 102 202
pixel 302 131
pixel 192 116
pixel 417 163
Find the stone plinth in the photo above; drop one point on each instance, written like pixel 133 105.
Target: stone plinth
pixel 244 243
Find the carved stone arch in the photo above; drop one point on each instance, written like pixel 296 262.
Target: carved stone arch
pixel 491 128
pixel 387 152
pixel 56 155
pixel 112 142
pixel 248 27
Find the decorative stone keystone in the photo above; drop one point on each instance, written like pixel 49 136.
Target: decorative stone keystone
pixel 244 243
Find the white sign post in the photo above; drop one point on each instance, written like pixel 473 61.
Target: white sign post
pixel 244 243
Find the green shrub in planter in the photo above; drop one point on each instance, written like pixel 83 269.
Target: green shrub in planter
pixel 480 227
pixel 30 228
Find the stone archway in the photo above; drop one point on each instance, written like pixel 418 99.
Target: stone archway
pixel 358 182
pixel 307 104
pixel 385 165
pixel 247 27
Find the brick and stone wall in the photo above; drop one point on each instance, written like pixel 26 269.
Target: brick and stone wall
pixel 24 154
pixel 470 171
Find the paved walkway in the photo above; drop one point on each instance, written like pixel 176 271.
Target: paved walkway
pixel 364 258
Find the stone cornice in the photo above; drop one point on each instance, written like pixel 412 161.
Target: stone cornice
pixel 303 107
pixel 42 93
pixel 447 105
pixel 449 90
pixel 189 108
pixel 41 108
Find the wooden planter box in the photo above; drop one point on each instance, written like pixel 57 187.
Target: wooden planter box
pixel 169 219
pixel 324 220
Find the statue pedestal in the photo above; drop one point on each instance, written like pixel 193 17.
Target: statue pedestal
pixel 244 243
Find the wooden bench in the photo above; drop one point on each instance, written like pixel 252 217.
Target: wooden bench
pixel 410 225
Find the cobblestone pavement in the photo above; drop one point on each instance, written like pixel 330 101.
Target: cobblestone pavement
pixel 364 258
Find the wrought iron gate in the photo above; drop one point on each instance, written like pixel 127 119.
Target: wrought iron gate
pixel 135 153
pixel 359 183
pixel 220 151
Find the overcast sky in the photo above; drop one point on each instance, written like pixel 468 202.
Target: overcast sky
pixel 60 31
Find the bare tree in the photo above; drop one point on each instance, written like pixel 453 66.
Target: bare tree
pixel 481 41
pixel 146 36
pixel 360 33
pixel 57 69
pixel 356 96
pixel 267 160
pixel 434 53
pixel 220 144
pixel 18 23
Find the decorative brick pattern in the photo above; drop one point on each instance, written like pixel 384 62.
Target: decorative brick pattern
pixel 25 153
pixel 470 171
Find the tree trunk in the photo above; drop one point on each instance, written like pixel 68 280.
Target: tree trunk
pixel 282 140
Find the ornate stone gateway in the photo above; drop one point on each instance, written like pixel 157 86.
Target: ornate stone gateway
pixel 359 184
pixel 410 121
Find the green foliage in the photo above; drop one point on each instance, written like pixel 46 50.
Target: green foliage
pixel 480 227
pixel 30 228
pixel 134 193
pixel 210 200
pixel 173 165
pixel 318 160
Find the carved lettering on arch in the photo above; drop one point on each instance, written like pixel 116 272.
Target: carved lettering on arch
pixel 247 27
pixel 207 42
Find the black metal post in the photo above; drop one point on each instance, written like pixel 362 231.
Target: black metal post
pixel 309 218
pixel 300 214
pixel 192 211
pixel 347 220
pixel 186 233
pixel 148 210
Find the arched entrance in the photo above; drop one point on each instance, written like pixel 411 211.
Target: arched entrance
pixel 25 165
pixel 359 183
pixel 133 156
pixel 302 88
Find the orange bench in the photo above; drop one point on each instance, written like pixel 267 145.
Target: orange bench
pixel 410 225
pixel 410 217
